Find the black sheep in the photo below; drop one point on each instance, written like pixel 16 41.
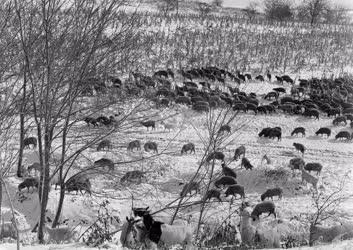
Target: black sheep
pixel 217 155
pixel 246 164
pixel 151 146
pixel 272 192
pixel 27 183
pixel 313 166
pixel 343 134
pixel 188 147
pixel 225 181
pixel 300 147
pixel 30 141
pixel 134 144
pixel 148 124
pixel 263 207
pixel 234 190
pixel 298 130
pixel 228 171
pixel 212 193
pixel 323 131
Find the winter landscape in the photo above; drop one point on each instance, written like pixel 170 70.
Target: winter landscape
pixel 176 124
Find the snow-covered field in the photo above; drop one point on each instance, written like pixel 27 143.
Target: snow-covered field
pixel 165 172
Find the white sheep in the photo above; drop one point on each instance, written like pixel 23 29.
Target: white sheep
pixel 260 236
pixel 328 234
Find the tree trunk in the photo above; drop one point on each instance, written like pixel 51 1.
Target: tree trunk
pixel 22 126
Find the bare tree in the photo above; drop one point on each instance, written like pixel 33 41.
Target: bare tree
pixel 217 3
pixel 251 10
pixel 280 10
pixel 313 10
pixel 204 9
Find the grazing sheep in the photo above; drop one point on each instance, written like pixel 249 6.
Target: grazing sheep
pixel 156 232
pixel 250 106
pixel 189 187
pixel 90 120
pixel 238 152
pixel 271 94
pixel 36 166
pixel 323 131
pixel 263 207
pixel 328 234
pixel 339 120
pixel 188 147
pixel 134 144
pixel 349 117
pixel 228 171
pixel 60 234
pixel 343 134
pixel 260 78
pixel 333 112
pixel 8 230
pixel 262 110
pixel 300 147
pixel 313 166
pixel 265 132
pixel 29 182
pixel 151 146
pixel 252 236
pixel 105 144
pixel 225 181
pixel 104 162
pixel 296 163
pixel 275 132
pixel 311 112
pixel 272 192
pixel 298 130
pixel 239 107
pixel 308 178
pixel 148 124
pixel 78 183
pixel 224 128
pixel 280 90
pixel 132 175
pixel 30 141
pixel 212 193
pixel 217 155
pixel 183 100
pixel 234 190
pixel 246 164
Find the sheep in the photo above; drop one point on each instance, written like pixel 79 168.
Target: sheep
pixel 36 166
pixel 104 162
pixel 272 192
pixel 323 131
pixel 224 128
pixel 228 171
pixel 300 147
pixel 260 78
pixel 60 234
pixel 239 106
pixel 298 130
pixel 90 120
pixel 183 100
pixel 105 144
pixel 246 164
pixel 30 141
pixel 216 155
pixel 188 147
pixel 134 144
pixel 296 163
pixel 238 152
pixel 189 187
pixel 251 106
pixel 328 234
pixel 132 175
pixel 8 230
pixel 157 232
pixel 313 166
pixel 148 124
pixel 271 94
pixel 265 132
pixel 251 236
pixel 275 132
pixel 225 181
pixel 311 112
pixel 212 193
pixel 263 207
pixel 261 110
pixel 78 183
pixel 234 190
pixel 308 178
pixel 280 90
pixel 343 134
pixel 151 146
pixel 29 182
pixel 333 112
pixel 340 119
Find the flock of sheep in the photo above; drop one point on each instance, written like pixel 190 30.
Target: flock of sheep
pixel 311 98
